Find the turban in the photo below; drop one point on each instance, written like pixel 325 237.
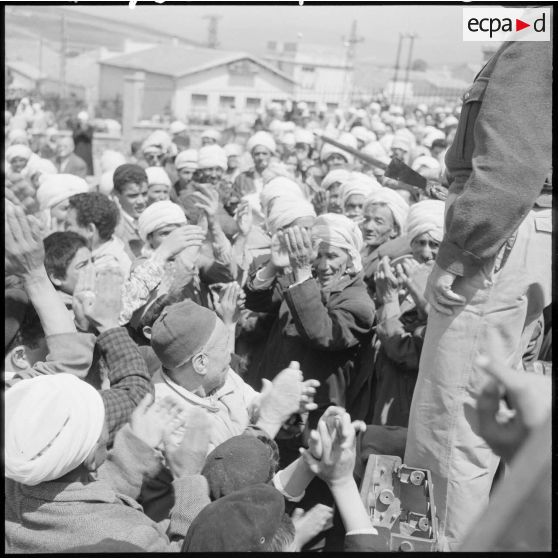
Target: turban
pixel 210 156
pixel 288 139
pixel 336 175
pixel 425 161
pixel 399 122
pixel 284 210
pixel 181 331
pixel 177 127
pixel 233 149
pixel 362 134
pixel 52 424
pixel 211 134
pixel 37 164
pixel 106 184
pixel 375 150
pixel 187 159
pixel 274 170
pixel 358 184
pixel 261 138
pixel 450 121
pixel 157 175
pixel 432 135
pixel 17 132
pixel 398 206
pixel 426 217
pixel 423 108
pixel 328 150
pixel 18 150
pixel 160 214
pixel 375 107
pixel 396 110
pixel 304 136
pixel 56 188
pixel 378 127
pixel 277 187
pixel 341 232
pixel 111 160
pixel 82 115
pixel 158 140
pixel 401 142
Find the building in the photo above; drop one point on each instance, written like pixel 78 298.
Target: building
pixel 184 81
pixel 323 74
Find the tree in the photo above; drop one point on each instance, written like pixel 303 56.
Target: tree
pixel 419 65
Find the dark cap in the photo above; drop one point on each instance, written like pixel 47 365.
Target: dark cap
pixel 243 521
pixel 239 462
pixel 181 331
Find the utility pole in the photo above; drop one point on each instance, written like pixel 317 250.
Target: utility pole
pixel 63 47
pixel 350 44
pixel 398 56
pixel 212 31
pixel 412 37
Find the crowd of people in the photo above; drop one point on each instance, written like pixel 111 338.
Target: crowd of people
pixel 204 345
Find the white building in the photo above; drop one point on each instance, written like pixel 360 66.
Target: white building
pixel 185 81
pixel 323 74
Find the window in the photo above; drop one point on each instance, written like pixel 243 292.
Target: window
pixel 253 103
pixel 199 101
pixel 226 102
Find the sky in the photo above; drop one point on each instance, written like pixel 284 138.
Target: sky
pixel 249 27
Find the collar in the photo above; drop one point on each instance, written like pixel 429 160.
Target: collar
pixel 210 402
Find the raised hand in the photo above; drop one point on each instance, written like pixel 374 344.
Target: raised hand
pixel 25 253
pixel 151 419
pixel 299 247
pixel 188 457
pixel 279 254
pixel 83 299
pixel 207 199
pixel 244 218
pixel 229 302
pixel 104 312
pixel 320 202
pixel 186 238
pixel 387 285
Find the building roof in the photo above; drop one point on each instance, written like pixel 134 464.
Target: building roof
pixel 178 60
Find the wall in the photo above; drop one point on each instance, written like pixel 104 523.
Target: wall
pixel 217 82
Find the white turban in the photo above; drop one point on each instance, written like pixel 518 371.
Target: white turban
pixel 398 206
pixel 210 156
pixel 261 138
pixel 341 232
pixel 157 175
pixel 233 149
pixel 286 209
pixel 304 136
pixel 111 160
pixel 83 115
pixel 426 217
pixel 158 140
pixel 17 135
pixel 187 159
pixel 374 149
pixel 52 424
pixel 378 127
pixel 431 136
pixel 18 150
pixel 358 184
pixel 106 184
pixel 425 161
pixel 212 134
pixel 288 139
pixel 396 110
pixel 333 176
pixel 328 150
pixel 280 186
pixel 450 121
pixel 401 142
pixel 363 134
pixel 160 214
pixel 40 165
pixel 56 188
pixel 177 127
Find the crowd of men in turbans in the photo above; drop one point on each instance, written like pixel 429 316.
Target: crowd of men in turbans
pixel 205 341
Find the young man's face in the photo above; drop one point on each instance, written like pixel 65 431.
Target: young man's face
pixel 79 261
pixel 133 198
pixel 186 175
pixel 157 192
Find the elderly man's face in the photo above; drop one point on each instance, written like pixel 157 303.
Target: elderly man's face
pixel 185 175
pixel 378 226
pixel 424 248
pixel 334 198
pixel 399 153
pixel 262 157
pixel 354 207
pixel 208 141
pixel 336 161
pixel 212 175
pixel 64 146
pixel 330 264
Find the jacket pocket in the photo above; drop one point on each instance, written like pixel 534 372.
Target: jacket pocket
pixel 472 101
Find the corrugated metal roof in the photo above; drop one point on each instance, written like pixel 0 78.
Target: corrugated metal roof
pixel 178 61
